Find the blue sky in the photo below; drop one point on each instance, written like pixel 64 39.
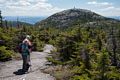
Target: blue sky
pixel 49 7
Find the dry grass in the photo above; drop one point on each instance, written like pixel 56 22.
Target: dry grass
pixel 59 72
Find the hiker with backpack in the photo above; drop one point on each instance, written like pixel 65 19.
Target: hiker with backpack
pixel 25 49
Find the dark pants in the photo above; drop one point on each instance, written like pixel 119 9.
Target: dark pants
pixel 26 62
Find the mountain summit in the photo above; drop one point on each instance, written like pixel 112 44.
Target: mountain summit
pixel 71 17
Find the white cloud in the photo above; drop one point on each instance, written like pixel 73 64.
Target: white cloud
pixel 2 1
pixel 111 11
pixel 105 8
pixel 28 7
pixel 109 8
pixel 20 3
pixel 93 2
pixel 101 5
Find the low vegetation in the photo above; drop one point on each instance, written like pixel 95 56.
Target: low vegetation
pixel 85 51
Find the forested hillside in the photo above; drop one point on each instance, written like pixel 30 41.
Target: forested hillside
pixel 87 46
pixel 87 54
pixel 88 50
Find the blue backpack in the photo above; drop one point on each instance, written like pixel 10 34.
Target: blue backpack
pixel 24 49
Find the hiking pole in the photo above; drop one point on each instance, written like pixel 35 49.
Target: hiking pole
pixel 30 65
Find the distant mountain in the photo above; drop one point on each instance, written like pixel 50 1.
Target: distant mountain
pixel 72 17
pixel 15 24
pixel 26 19
pixel 115 17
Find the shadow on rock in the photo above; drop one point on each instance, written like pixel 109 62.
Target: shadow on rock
pixel 19 72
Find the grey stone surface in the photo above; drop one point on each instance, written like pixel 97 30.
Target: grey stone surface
pixel 38 60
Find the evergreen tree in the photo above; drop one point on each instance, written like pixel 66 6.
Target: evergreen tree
pixel 114 47
pixel 104 64
pixel 1 21
pixel 99 43
pixel 86 59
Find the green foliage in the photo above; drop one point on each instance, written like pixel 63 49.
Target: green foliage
pixel 39 37
pixel 82 77
pixel 89 51
pixel 55 62
pixel 38 44
pixel 112 75
pixel 86 50
pixel 5 54
pixel 104 64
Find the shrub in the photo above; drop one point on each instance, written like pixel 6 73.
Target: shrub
pixel 112 75
pixel 55 62
pixel 81 77
pixel 5 54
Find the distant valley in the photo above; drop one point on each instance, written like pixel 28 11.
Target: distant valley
pixel 26 19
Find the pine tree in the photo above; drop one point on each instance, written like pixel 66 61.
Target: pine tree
pixel 1 22
pixel 86 59
pixel 99 42
pixel 114 47
pixel 104 64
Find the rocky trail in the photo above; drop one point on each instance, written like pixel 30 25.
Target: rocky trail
pixel 38 61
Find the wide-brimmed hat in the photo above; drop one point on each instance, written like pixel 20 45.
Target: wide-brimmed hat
pixel 28 36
